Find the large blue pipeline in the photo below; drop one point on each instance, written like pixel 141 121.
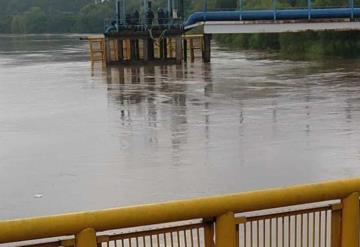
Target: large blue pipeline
pixel 279 14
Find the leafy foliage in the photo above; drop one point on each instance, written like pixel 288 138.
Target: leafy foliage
pixel 53 16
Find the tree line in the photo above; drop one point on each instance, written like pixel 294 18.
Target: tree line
pixel 53 16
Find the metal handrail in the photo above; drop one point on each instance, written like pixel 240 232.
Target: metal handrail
pixel 206 207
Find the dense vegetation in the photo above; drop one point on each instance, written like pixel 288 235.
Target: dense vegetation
pixel 53 16
pixel 294 45
pixel 299 45
pixel 60 16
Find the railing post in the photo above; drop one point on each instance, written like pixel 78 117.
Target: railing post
pixel 350 221
pixel 86 238
pixel 209 234
pixel 336 225
pixel 225 230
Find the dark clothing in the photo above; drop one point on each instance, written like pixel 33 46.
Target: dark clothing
pixel 161 17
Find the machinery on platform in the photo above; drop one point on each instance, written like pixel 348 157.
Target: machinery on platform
pixel 145 17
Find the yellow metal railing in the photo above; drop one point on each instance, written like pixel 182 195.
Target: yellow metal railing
pixel 225 221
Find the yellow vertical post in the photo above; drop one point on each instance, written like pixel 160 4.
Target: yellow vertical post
pixel 171 50
pixel 336 225
pixel 86 238
pixel 209 234
pixel 225 230
pixel 350 221
pixel 126 49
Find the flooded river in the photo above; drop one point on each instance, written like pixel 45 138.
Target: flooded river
pixel 73 137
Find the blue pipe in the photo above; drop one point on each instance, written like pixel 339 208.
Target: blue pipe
pixel 258 15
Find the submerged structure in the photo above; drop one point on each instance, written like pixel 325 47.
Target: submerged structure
pixel 150 34
pixel 146 35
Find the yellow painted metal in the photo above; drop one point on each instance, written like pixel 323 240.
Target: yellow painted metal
pixel 209 235
pixel 335 227
pixel 86 238
pixel 170 48
pixel 207 207
pixel 97 48
pixel 350 221
pixel 237 235
pixel 225 230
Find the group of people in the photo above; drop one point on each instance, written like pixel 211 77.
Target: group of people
pixel 132 20
pixel 162 17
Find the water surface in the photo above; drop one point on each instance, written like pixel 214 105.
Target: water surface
pixel 73 137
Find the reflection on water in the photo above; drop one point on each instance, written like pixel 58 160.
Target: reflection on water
pixel 87 138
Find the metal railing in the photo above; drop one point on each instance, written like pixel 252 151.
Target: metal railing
pixel 306 227
pixel 222 221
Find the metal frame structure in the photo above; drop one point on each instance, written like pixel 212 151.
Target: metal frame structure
pixel 221 211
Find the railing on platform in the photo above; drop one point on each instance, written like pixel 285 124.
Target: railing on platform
pixel 114 49
pixel 313 215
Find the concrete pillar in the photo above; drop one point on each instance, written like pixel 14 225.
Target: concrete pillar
pixel 185 50
pixel 192 51
pixel 206 52
pixel 178 50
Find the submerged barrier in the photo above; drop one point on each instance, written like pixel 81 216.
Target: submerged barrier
pixel 222 221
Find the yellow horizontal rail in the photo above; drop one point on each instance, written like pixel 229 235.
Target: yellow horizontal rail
pixel 69 224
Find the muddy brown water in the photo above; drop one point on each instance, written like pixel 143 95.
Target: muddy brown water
pixel 73 137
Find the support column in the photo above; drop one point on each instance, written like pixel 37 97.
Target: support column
pixel 185 50
pixel 178 50
pixel 162 49
pixel 145 49
pixel 165 48
pixel 148 49
pixel 170 46
pixel 192 51
pixel 107 51
pixel 120 49
pixel 206 52
pixel 133 49
pixel 336 225
pixel 225 230
pixel 137 48
pixel 86 238
pixel 209 234
pixel 350 221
